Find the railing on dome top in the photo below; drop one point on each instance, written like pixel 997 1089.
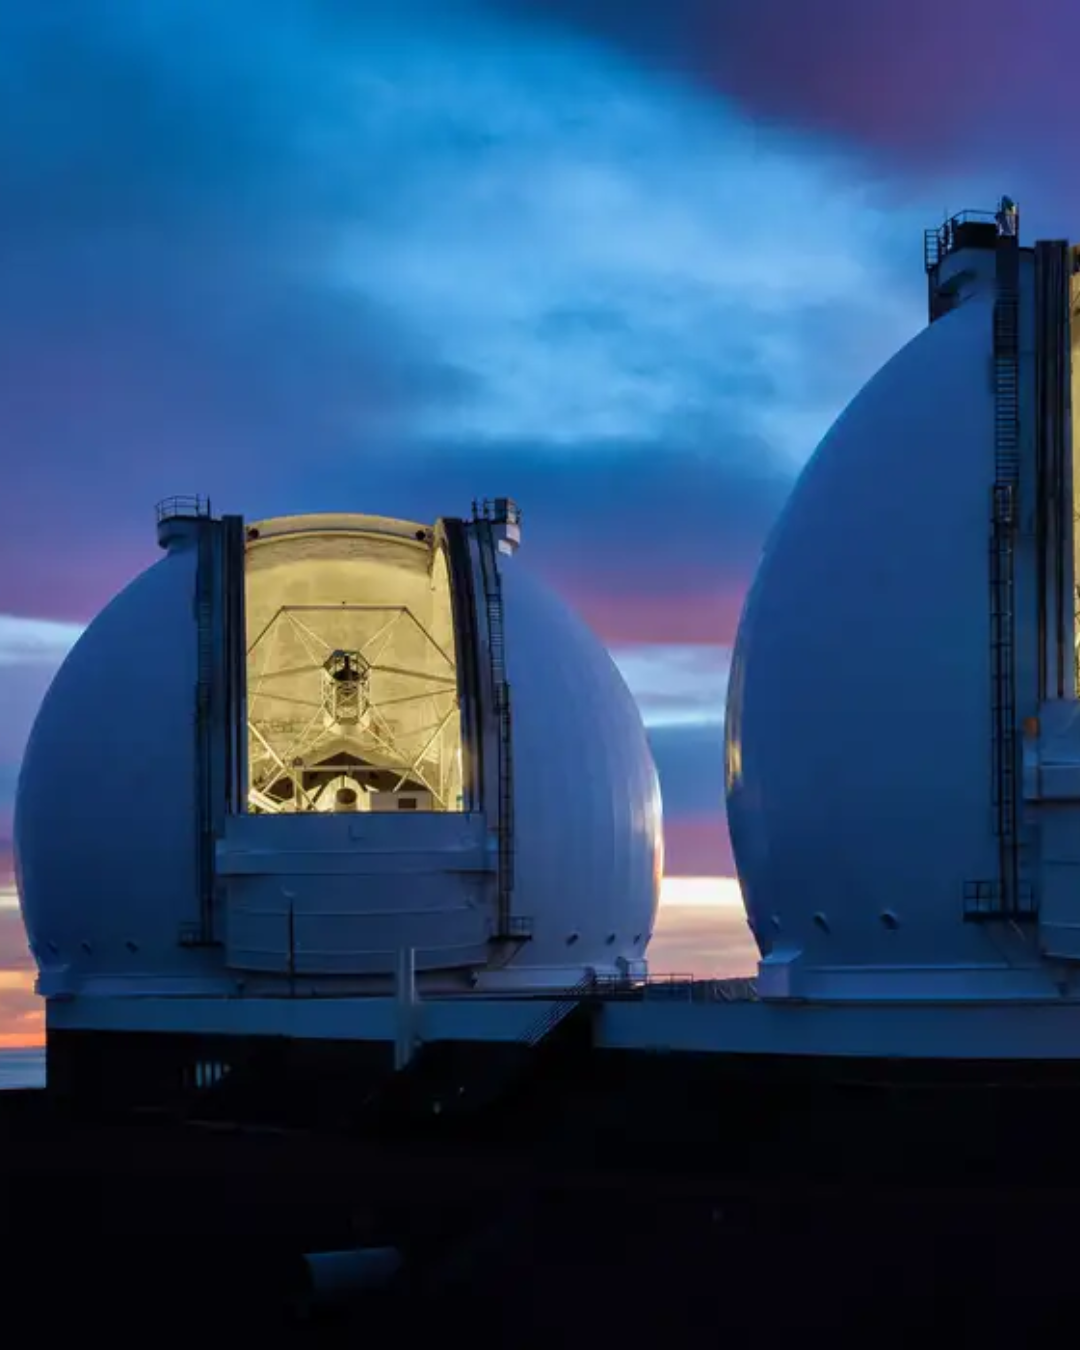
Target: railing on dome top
pixel 499 510
pixel 967 227
pixel 169 508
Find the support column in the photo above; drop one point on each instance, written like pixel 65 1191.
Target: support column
pixel 405 998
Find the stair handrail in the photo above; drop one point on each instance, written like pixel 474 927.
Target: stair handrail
pixel 550 1018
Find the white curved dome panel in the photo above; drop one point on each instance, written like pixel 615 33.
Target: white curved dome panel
pixel 589 851
pixel 105 810
pixel 858 723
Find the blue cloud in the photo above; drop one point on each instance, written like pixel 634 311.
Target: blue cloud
pixel 690 761
pixel 609 519
pixel 254 253
pixel 677 686
pixel 388 257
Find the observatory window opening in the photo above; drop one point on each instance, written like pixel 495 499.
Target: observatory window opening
pixel 352 700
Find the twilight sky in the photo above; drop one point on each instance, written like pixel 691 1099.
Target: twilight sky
pixel 622 260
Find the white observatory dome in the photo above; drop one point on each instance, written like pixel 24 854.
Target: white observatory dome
pixel 858 759
pixel 294 749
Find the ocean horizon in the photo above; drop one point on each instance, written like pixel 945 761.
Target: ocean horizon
pixel 22 1068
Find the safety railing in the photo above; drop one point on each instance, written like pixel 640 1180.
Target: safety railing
pixel 497 510
pixel 169 508
pixel 967 228
pixel 680 988
pixel 551 1017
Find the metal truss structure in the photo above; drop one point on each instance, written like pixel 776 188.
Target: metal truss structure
pixel 338 694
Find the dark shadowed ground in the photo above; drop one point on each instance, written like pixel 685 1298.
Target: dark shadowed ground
pixel 114 1229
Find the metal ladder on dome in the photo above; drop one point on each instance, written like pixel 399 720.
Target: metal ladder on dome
pixel 505 927
pixel 1004 521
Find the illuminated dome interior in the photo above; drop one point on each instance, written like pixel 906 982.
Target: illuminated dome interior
pixel 352 681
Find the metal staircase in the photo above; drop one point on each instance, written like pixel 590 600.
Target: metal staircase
pixel 1005 502
pixel 1004 898
pixel 555 1015
pixel 506 926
